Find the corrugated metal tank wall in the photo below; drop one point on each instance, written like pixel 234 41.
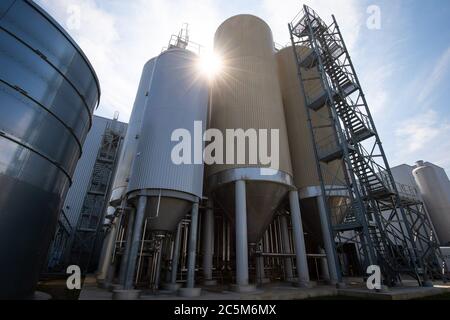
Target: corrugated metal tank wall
pixel 434 186
pixel 303 159
pixel 48 93
pixel 131 140
pixel 178 96
pixel 246 95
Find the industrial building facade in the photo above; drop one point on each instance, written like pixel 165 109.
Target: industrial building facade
pixel 79 234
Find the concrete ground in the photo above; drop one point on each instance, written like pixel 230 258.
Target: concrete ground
pixel 283 291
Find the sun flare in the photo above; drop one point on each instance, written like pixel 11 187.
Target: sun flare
pixel 210 64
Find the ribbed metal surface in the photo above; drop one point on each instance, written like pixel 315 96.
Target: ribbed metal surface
pixel 246 94
pixel 302 152
pixel 178 96
pixel 434 186
pixel 48 91
pixel 83 172
pixel 130 143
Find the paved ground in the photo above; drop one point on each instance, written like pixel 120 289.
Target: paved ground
pixel 282 291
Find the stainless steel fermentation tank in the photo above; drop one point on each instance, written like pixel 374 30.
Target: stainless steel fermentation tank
pixel 48 93
pixel 246 95
pixel 434 187
pixel 122 176
pixel 159 192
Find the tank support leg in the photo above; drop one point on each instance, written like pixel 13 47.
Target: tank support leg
pixel 176 255
pixel 192 246
pixel 104 264
pixel 260 272
pixel 190 291
pixel 126 254
pixel 328 242
pixel 287 248
pixel 208 242
pixel 135 244
pixel 300 249
pixel 241 234
pixel 324 265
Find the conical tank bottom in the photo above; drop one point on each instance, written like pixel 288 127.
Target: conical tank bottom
pixel 263 199
pixel 165 213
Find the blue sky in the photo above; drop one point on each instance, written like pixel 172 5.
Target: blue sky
pixel 404 67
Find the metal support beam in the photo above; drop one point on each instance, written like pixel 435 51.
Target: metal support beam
pixel 104 265
pixel 289 274
pixel 300 249
pixel 241 234
pixel 126 253
pixel 192 246
pixel 208 241
pixel 324 266
pixel 136 241
pixel 176 254
pixel 333 264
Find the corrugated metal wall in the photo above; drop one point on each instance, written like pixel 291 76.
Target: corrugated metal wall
pixel 178 96
pixel 83 172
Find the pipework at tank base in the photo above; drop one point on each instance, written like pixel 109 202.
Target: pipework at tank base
pixel 183 261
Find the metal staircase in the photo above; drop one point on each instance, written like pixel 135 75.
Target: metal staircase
pixel 378 220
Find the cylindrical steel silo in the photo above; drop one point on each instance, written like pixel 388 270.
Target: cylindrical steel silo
pixel 177 98
pixel 246 95
pixel 162 190
pixel 48 93
pixel 303 160
pixel 122 175
pixel 130 143
pixel 434 186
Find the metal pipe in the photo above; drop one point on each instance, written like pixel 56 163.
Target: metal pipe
pixel 327 240
pixel 224 242
pixel 126 254
pixel 208 241
pixel 141 249
pixel 287 248
pixel 192 246
pixel 138 223
pixel 228 224
pixel 106 255
pixel 260 272
pixel 302 264
pixel 176 254
pixel 324 265
pixel 158 255
pixel 241 234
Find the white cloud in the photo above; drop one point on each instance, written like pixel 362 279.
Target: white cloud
pixel 118 37
pixel 418 136
pixel 433 80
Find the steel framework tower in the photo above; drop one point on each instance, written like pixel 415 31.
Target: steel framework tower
pixel 86 235
pixel 389 229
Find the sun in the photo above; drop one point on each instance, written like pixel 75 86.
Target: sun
pixel 210 64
